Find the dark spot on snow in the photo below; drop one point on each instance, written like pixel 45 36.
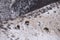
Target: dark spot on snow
pixel 46 29
pixel 42 10
pixel 49 8
pixel 0 11
pixel 52 5
pixel 31 14
pixel 39 10
pixel 35 16
pixel 40 16
pixel 59 30
pixel 1 27
pixel 13 36
pixel 11 23
pixel 8 26
pixel 58 7
pixel 39 24
pixel 54 11
pixel 17 39
pixel 27 22
pixel 6 22
pixel 11 19
pixel 17 27
pixel 48 13
pixel 36 34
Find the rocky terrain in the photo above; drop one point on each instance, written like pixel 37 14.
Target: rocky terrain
pixel 40 24
pixel 11 9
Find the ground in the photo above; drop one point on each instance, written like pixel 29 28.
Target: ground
pixel 40 24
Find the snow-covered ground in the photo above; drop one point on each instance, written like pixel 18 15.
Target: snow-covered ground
pixel 41 24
